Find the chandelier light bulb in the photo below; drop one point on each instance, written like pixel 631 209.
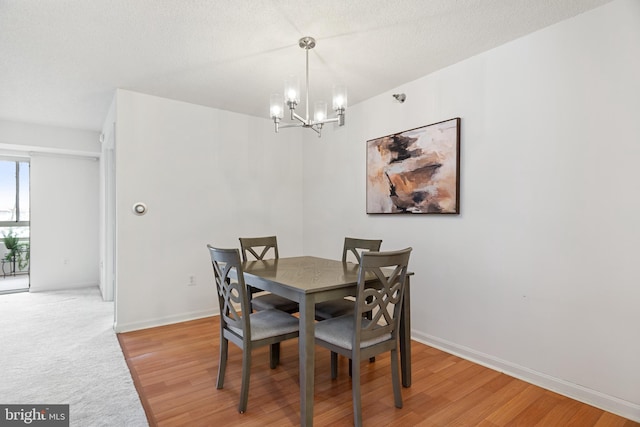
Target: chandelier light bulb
pixel 276 106
pixel 339 98
pixel 292 90
pixel 320 111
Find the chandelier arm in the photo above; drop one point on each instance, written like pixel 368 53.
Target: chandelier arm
pixel 294 115
pixel 321 122
pixel 291 125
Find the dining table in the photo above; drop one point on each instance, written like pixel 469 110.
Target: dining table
pixel 309 280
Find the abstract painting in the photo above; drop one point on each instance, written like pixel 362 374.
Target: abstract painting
pixel 416 171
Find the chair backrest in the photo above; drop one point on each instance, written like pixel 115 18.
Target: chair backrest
pixel 352 245
pixel 258 247
pixel 231 292
pixel 383 296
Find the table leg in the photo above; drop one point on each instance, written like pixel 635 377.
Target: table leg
pixel 405 337
pixel 307 345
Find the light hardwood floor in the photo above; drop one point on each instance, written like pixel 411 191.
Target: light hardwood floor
pixel 174 369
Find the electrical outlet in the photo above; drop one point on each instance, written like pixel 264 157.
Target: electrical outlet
pixel 192 281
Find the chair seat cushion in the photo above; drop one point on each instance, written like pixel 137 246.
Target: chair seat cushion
pixel 273 302
pixel 334 308
pixel 339 331
pixel 269 323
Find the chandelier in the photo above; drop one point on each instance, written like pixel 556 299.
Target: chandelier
pixel 292 99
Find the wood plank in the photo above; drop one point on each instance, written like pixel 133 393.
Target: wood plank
pixel 174 369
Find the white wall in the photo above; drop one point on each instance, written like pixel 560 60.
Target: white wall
pixel 64 188
pixel 64 222
pixel 51 139
pixel 538 276
pixel 207 176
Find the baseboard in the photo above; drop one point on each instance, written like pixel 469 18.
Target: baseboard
pixel 162 321
pixel 62 287
pixel 591 397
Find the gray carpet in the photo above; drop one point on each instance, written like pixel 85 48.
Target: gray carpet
pixel 60 348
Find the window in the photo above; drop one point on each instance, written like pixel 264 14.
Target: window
pixel 14 196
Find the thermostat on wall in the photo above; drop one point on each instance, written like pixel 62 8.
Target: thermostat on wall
pixel 139 208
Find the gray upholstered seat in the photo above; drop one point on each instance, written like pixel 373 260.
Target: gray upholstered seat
pixel 259 248
pixel 268 323
pixel 339 331
pixel 330 309
pixel 334 308
pixel 237 324
pixel 269 301
pixel 380 293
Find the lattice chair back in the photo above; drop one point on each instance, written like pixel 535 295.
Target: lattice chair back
pixel 352 245
pixel 382 297
pixel 339 307
pixel 259 247
pixel 231 291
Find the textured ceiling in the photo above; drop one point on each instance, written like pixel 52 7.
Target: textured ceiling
pixel 60 61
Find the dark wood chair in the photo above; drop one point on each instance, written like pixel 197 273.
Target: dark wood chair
pixel 350 252
pixel 259 248
pixel 359 338
pixel 245 329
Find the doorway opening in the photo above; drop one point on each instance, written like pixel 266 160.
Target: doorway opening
pixel 14 225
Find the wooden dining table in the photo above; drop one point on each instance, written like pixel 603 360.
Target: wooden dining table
pixel 310 280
